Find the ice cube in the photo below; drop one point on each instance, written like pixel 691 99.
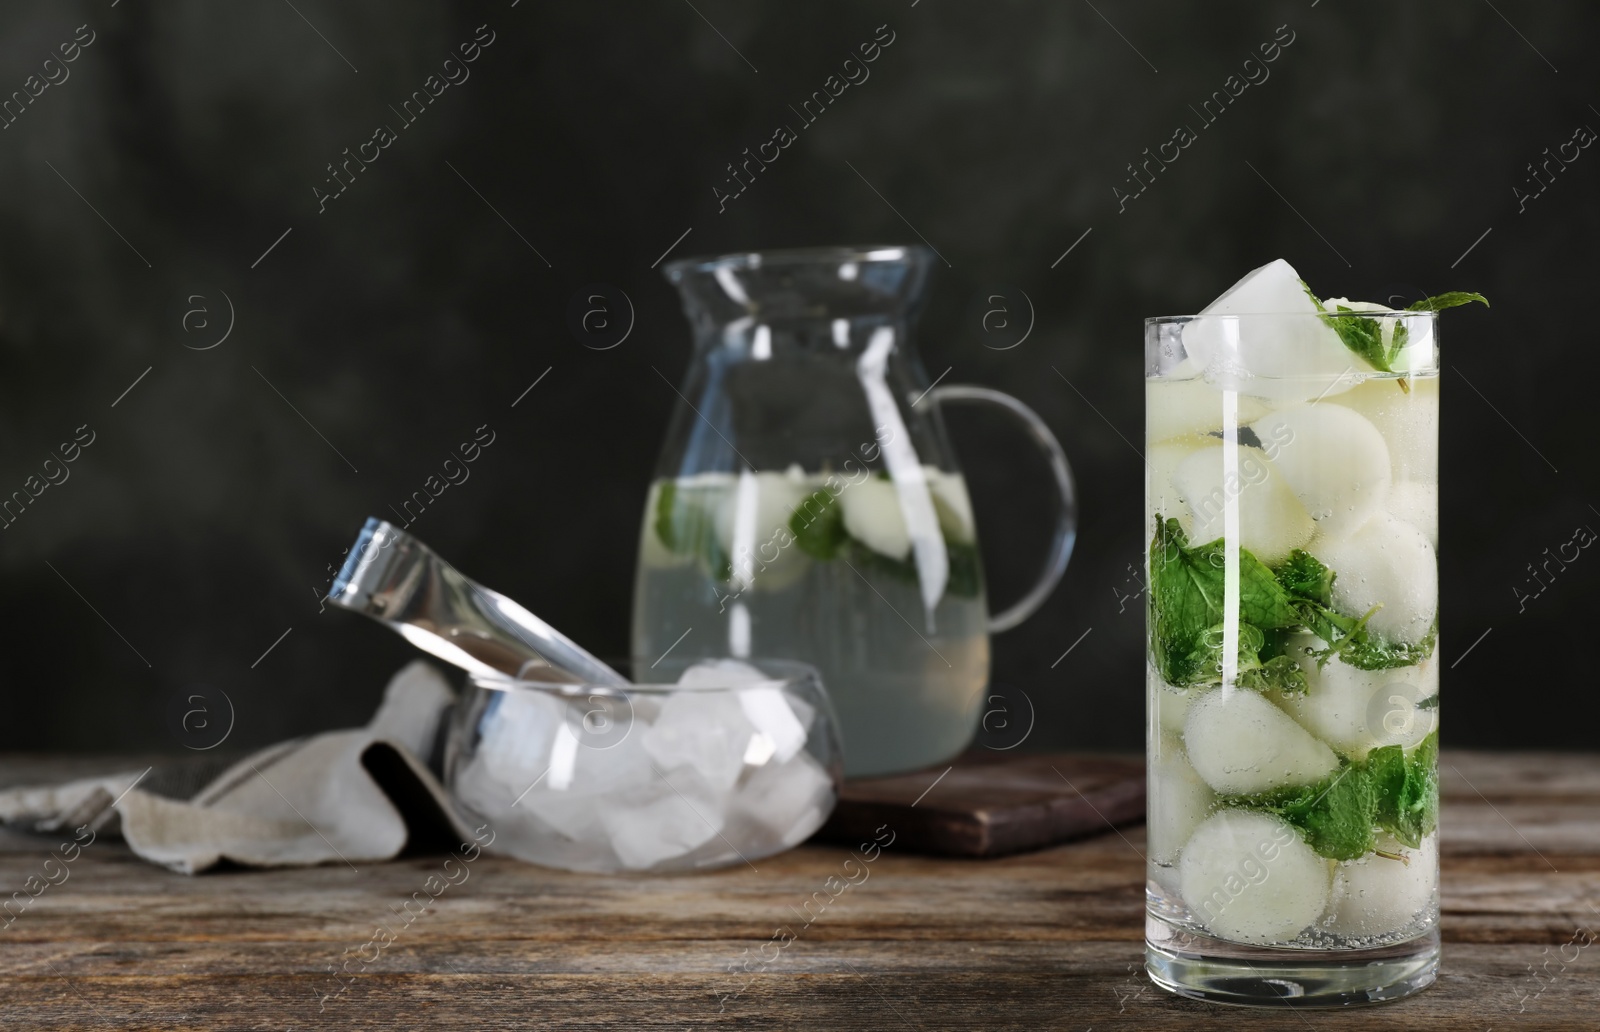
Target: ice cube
pixel 1272 522
pixel 803 710
pixel 720 673
pixel 576 815
pixel 768 710
pixel 1239 742
pixel 785 801
pixel 1334 460
pixel 1249 877
pixel 519 728
pixel 605 767
pixel 1387 562
pixel 807 823
pixel 1179 800
pixel 1375 895
pixel 1333 304
pixel 1178 408
pixel 667 818
pixel 707 731
pixel 1296 357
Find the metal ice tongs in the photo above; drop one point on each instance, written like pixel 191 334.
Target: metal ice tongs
pixel 396 579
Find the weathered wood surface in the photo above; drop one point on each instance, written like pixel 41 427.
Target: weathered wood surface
pixel 1046 940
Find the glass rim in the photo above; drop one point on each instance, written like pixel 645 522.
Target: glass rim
pixel 816 255
pixel 796 673
pixel 1393 313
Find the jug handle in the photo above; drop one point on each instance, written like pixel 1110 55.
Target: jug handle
pixel 1066 521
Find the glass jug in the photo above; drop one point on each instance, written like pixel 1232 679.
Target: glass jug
pixel 807 502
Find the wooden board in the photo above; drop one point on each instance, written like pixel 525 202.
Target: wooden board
pixel 1050 939
pixel 991 803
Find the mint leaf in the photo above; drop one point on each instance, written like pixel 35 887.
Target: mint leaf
pixel 1365 652
pixel 1451 299
pixel 1187 585
pixel 685 527
pixel 818 526
pixel 666 522
pixel 966 571
pixel 1406 790
pixel 1305 577
pixel 1339 815
pixel 1310 583
pixel 1349 640
pixel 1419 804
pixel 1280 673
pixel 682 521
pixel 1337 820
pixel 1386 766
pixel 1187 588
pixel 1334 815
pixel 1364 336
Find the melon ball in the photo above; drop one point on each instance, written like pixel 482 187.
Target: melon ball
pixel 1190 408
pixel 1179 800
pixel 1161 462
pixel 1272 522
pixel 1169 705
pixel 1239 742
pixel 1408 421
pixel 953 503
pixel 1249 877
pixel 1418 505
pixel 1333 459
pixel 871 512
pixel 1355 710
pixel 1374 895
pixel 1388 561
pixel 752 526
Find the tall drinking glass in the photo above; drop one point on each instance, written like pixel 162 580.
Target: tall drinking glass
pixel 1291 510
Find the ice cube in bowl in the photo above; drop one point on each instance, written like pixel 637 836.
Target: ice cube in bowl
pixel 697 765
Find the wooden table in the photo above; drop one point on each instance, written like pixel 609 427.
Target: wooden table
pixel 1048 940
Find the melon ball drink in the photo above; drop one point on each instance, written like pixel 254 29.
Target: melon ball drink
pixel 1291 510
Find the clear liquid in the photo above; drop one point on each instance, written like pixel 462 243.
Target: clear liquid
pixel 1240 884
pixel 907 682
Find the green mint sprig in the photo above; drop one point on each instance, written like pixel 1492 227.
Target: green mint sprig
pixel 1340 815
pixel 1450 299
pixel 1364 335
pixel 1187 585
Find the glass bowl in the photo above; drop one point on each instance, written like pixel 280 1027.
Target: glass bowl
pixel 704 764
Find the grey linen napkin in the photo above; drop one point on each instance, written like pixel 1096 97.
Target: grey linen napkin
pixel 362 794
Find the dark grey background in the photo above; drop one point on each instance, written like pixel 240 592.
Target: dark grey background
pixel 201 523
